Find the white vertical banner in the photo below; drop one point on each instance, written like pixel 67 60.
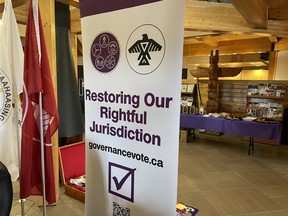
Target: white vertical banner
pixel 11 85
pixel 132 56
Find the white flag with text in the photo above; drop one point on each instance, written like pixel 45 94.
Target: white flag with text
pixel 11 85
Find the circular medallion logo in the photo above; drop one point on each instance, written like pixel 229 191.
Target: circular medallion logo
pixel 105 52
pixel 5 98
pixel 145 49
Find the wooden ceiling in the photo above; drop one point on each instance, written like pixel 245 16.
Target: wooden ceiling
pixel 240 26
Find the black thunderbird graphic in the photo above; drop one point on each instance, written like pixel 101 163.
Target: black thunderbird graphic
pixel 144 47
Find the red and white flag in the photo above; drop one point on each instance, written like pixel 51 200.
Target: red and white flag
pixel 37 78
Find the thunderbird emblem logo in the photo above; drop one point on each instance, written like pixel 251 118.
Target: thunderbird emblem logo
pixel 144 47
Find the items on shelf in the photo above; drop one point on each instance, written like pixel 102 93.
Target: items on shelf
pixel 266 89
pixel 184 88
pixel 265 109
pixel 265 100
pixel 186 105
pixel 187 88
pixel 188 99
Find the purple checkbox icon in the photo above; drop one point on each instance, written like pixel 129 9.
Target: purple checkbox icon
pixel 121 181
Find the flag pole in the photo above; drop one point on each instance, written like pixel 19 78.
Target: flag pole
pixel 42 153
pixel 18 146
pixel 35 5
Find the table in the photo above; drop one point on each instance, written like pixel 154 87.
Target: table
pixel 237 127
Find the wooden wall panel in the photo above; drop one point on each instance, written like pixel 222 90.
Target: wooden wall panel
pixel 203 86
pixel 232 97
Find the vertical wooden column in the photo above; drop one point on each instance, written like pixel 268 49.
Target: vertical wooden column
pixel 73 38
pixel 47 10
pixel 272 65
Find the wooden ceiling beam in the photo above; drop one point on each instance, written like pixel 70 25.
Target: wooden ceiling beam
pixel 244 46
pixel 15 4
pixel 214 17
pixel 255 12
pixel 218 17
pixel 209 41
pixel 278 13
pixel 21 14
pixel 75 24
pixel 210 18
pixel 281 45
pixel 273 39
pixel 278 28
pixel 22 30
pixel 73 3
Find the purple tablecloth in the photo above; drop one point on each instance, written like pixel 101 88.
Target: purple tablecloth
pixel 237 127
pixel 200 122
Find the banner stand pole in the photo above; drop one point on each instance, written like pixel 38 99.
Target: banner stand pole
pixel 42 153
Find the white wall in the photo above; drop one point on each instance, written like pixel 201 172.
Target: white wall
pixel 282 66
pixel 80 60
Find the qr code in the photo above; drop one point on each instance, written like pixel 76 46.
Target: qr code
pixel 119 210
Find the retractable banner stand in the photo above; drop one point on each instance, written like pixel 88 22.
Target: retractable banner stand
pixel 132 55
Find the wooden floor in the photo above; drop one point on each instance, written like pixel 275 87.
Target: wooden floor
pixel 217 176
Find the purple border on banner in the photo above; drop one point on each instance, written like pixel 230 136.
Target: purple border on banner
pixel 92 7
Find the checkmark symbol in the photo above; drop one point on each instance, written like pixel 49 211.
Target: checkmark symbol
pixel 122 181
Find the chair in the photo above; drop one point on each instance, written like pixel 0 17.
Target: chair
pixel 6 191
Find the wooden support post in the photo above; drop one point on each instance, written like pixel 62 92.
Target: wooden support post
pixel 74 50
pixel 272 65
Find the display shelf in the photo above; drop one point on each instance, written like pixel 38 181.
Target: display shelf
pixel 189 98
pixel 186 93
pixel 266 97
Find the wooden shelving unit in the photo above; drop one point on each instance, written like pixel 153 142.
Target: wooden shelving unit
pixel 265 97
